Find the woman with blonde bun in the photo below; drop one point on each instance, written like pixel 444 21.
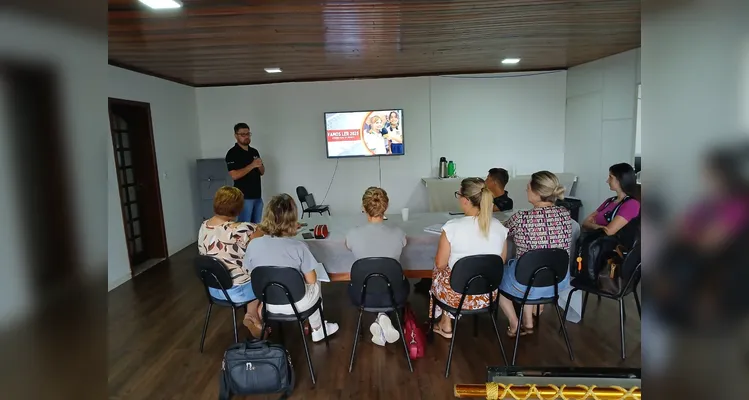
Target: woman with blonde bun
pixel 545 226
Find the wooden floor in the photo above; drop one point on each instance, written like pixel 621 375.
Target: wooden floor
pixel 156 318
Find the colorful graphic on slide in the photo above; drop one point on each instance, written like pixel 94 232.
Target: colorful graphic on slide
pixel 364 133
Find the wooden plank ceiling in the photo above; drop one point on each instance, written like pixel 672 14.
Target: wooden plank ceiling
pixel 224 42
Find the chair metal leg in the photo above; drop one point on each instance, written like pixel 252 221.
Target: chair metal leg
pixel 585 304
pixel 567 308
pixel 430 334
pixel 280 333
pixel 637 301
pixel 324 329
pixel 328 211
pixel 205 326
pixel 234 322
pixel 356 340
pixel 517 335
pixel 621 327
pixel 452 344
pixel 476 325
pixel 306 352
pixel 564 331
pixel 403 339
pixel 499 338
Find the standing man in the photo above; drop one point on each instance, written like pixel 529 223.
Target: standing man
pixel 496 182
pixel 246 168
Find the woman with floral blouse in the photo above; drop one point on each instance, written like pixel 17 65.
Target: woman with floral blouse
pixel 225 239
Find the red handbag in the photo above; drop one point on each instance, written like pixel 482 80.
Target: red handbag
pixel 415 337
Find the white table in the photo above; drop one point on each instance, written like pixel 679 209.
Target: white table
pixel 418 255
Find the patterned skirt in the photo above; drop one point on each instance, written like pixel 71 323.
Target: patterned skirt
pixel 443 292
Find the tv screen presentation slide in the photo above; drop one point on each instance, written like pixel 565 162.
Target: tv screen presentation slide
pixel 364 133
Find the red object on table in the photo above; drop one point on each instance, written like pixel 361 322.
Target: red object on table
pixel 320 232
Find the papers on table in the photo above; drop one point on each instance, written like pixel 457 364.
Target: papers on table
pixel 322 274
pixel 435 229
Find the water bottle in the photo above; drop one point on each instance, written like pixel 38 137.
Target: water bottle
pixel 451 169
pixel 443 168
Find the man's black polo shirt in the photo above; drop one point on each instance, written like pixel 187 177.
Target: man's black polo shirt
pixel 503 202
pixel 238 158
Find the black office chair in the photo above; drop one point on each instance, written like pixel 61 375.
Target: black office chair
pixel 540 268
pixel 473 275
pixel 280 286
pixel 372 280
pixel 308 202
pixel 214 274
pixel 631 274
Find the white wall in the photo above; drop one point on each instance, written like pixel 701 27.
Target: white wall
pixel 600 122
pixel 478 122
pixel 174 119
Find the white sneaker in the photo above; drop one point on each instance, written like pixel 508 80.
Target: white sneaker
pixel 390 333
pixel 318 334
pixel 378 336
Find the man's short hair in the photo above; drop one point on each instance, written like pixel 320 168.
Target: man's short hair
pixel 499 175
pixel 239 126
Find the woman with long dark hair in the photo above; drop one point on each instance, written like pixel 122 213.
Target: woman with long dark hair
pixel 616 212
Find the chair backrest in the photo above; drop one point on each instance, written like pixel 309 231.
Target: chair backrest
pixel 482 274
pixel 301 193
pixel 388 267
pixel 549 266
pixel 213 273
pixel 310 200
pixel 272 283
pixel 632 269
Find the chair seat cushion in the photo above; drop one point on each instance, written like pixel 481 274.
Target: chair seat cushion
pixel 224 303
pixel 291 317
pixel 453 310
pixel 542 300
pixel 319 208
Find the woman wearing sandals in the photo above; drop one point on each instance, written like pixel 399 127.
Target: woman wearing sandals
pixel 544 226
pixel 375 239
pixel 225 239
pixel 476 233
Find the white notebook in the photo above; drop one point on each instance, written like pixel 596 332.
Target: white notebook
pixel 322 274
pixel 434 229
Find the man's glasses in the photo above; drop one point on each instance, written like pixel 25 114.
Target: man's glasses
pixel 244 134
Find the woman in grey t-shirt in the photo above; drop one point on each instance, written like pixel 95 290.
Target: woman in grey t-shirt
pixel 375 239
pixel 278 248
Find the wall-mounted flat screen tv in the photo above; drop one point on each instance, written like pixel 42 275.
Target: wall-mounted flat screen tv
pixel 364 133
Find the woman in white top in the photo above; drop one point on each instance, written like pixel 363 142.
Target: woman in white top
pixel 476 233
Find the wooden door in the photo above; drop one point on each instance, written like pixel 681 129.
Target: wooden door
pixel 138 180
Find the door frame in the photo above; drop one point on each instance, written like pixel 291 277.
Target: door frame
pixel 154 168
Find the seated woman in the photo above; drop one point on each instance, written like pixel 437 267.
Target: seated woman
pixel 226 240
pixel 376 239
pixel 476 233
pixel 614 213
pixel 278 248
pixel 545 226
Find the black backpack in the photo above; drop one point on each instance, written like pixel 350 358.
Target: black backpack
pixel 592 252
pixel 256 367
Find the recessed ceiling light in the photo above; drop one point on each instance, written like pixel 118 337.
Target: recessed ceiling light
pixel 162 4
pixel 273 70
pixel 510 61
